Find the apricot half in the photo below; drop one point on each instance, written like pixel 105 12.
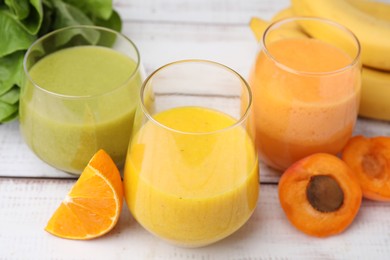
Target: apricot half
pixel 369 159
pixel 320 195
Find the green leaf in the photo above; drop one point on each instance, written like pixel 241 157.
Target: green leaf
pixel 11 71
pixel 48 18
pixel 94 8
pixel 68 15
pixel 47 3
pixel 29 14
pixel 14 36
pixel 20 8
pixel 32 23
pixel 114 22
pixel 10 117
pixel 7 110
pixel 12 96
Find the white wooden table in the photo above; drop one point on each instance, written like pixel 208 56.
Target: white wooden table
pixel 164 31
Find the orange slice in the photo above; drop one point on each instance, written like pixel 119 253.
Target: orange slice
pixel 93 205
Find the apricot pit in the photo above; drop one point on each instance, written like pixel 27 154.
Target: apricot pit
pixel 320 195
pixel 324 193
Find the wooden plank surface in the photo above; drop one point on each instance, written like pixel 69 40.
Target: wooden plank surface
pixel 224 12
pixel 165 31
pixel 27 204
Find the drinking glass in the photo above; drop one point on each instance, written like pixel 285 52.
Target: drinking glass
pixel 191 174
pixel 79 95
pixel 306 90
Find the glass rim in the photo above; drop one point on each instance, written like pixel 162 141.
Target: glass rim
pixel 238 122
pixel 100 28
pixel 354 61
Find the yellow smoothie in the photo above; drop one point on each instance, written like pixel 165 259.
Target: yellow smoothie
pixel 196 184
pixel 85 102
pixel 298 114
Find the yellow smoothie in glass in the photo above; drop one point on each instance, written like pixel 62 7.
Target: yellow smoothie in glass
pixel 97 96
pixel 298 114
pixel 201 185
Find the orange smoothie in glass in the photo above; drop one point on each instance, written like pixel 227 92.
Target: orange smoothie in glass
pixel 191 189
pixel 306 98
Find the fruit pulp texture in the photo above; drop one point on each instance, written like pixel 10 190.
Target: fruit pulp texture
pixel 191 189
pixel 298 114
pixel 67 131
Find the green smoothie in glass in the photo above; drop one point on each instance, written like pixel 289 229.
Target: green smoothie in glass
pixel 78 100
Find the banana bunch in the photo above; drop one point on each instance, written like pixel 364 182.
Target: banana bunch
pixel 370 21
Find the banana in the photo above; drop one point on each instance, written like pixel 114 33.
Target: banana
pixel 258 27
pixel 288 30
pixel 284 13
pixel 374 8
pixel 375 94
pixel 372 31
pixel 375 98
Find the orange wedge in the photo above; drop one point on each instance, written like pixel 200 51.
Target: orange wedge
pixel 93 205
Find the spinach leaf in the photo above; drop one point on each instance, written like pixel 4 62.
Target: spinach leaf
pixel 12 96
pixel 11 71
pixel 67 15
pixel 33 21
pixel 14 36
pixel 7 111
pixel 94 8
pixel 48 18
pixel 114 22
pixel 20 8
pixel 10 117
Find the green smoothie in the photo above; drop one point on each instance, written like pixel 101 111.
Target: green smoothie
pixel 85 101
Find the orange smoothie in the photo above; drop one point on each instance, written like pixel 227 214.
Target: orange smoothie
pixel 193 185
pixel 304 102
